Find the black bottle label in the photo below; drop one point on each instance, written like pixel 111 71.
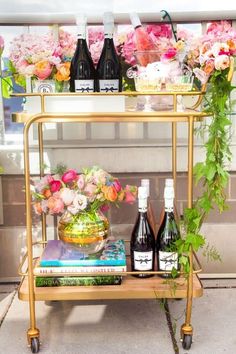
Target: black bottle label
pixel 168 260
pixel 84 86
pixel 109 85
pixel 143 260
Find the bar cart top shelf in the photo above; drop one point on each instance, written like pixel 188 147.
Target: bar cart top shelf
pixel 172 115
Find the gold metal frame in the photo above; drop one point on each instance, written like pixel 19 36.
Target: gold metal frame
pixel 27 290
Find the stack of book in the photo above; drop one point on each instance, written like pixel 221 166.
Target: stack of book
pixel 60 262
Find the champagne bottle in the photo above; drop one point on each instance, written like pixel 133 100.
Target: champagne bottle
pixel 143 42
pixel 109 76
pixel 142 245
pixel 168 232
pixel 150 214
pixel 82 71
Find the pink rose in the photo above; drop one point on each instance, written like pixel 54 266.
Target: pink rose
pixel 43 69
pixel 90 189
pixel 55 186
pixel 55 205
pixel 69 176
pixel 130 194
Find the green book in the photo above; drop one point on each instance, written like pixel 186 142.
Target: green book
pixel 77 281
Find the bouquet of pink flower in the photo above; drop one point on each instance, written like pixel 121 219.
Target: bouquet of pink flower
pixel 43 56
pixel 212 51
pixel 91 190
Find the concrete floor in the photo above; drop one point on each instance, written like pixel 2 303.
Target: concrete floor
pixel 120 327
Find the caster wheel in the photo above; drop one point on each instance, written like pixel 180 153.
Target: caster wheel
pixel 187 341
pixel 35 345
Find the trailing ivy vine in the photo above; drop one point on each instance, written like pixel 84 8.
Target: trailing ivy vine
pixel 212 173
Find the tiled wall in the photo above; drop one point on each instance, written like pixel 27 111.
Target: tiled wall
pixel 220 227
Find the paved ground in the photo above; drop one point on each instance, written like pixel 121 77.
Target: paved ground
pixel 120 327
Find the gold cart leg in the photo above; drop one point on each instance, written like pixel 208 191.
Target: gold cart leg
pixel 187 327
pixel 33 331
pixel 174 152
pixel 41 170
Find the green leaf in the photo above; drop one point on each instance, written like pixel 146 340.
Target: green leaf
pixel 210 171
pixel 7 87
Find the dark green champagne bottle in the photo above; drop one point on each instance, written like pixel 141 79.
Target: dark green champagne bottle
pixel 167 257
pixel 82 71
pixel 109 75
pixel 142 245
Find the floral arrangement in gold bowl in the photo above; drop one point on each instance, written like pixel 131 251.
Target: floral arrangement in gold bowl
pixel 81 200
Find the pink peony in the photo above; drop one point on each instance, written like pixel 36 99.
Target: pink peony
pixel 95 50
pixel 55 186
pixel 69 176
pixel 95 35
pixel 160 30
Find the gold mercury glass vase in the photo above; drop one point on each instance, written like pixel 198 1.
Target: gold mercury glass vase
pixel 87 231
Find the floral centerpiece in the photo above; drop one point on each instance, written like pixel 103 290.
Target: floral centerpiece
pixel 42 57
pixel 81 199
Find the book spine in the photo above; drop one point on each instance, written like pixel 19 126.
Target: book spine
pixel 80 270
pixel 82 263
pixel 77 281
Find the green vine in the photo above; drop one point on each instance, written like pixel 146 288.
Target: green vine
pixel 212 173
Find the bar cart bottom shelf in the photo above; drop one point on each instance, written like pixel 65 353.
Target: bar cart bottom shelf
pixel 131 288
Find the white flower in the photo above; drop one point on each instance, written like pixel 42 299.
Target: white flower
pixel 222 62
pixel 67 195
pixel 201 75
pixel 79 203
pixel 219 47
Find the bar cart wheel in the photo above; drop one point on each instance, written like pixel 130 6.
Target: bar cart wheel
pixel 35 345
pixel 187 341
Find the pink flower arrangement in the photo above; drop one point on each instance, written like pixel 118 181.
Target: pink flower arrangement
pixel 212 51
pixel 42 56
pixel 92 190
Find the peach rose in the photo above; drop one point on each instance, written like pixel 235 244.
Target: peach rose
pixel 110 193
pixel 209 67
pixel 47 193
pixel 43 69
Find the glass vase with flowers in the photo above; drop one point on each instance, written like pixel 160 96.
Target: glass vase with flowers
pixel 43 59
pixel 81 200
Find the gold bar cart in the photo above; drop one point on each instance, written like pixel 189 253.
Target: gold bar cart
pixel 131 288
